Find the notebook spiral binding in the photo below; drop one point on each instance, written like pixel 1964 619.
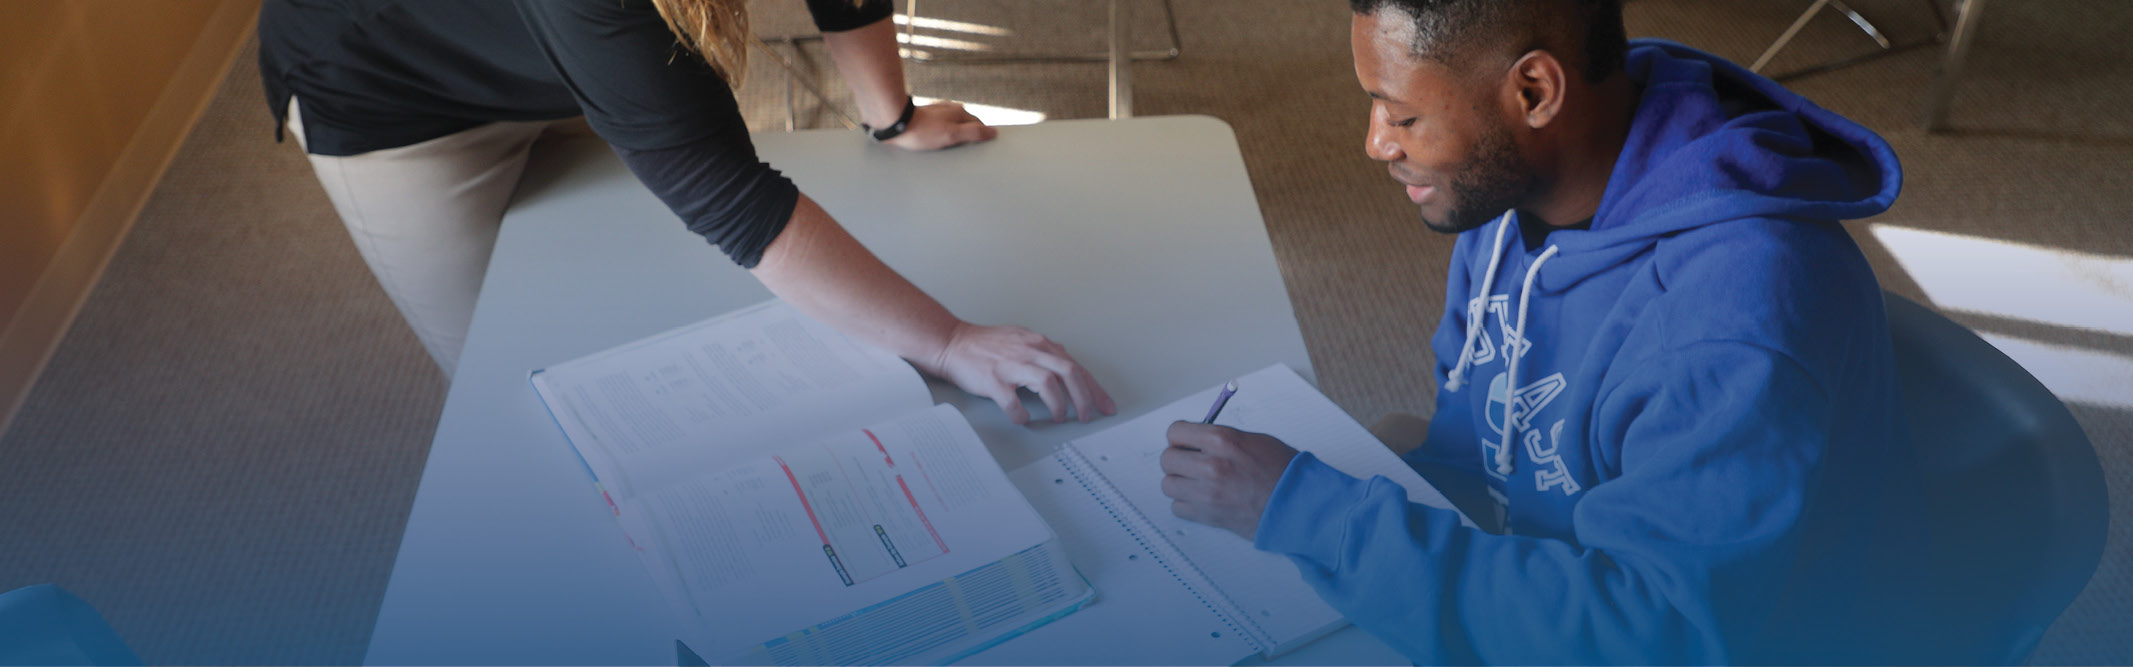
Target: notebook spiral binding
pixel 1161 549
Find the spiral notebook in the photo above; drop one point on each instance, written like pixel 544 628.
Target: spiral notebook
pixel 1170 591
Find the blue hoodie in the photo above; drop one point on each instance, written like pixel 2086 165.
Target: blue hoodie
pixel 1708 460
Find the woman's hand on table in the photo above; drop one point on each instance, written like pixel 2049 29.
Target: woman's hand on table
pixel 942 125
pixel 992 361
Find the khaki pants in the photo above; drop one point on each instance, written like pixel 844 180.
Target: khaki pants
pixel 425 218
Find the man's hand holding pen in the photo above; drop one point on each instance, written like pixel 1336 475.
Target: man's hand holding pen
pixel 1221 476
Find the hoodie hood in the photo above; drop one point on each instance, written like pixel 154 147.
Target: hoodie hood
pixel 1712 142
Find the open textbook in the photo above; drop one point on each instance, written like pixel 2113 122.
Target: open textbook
pixel 800 502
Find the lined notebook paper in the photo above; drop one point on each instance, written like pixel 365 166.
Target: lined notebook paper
pixel 1172 591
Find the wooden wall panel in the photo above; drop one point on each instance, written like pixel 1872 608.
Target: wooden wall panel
pixel 95 98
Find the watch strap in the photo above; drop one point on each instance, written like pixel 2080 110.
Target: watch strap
pixel 902 123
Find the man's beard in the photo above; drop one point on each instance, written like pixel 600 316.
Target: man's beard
pixel 1494 181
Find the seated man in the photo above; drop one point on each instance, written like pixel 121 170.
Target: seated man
pixel 1660 356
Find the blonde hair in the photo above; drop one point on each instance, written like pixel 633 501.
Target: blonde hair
pixel 716 29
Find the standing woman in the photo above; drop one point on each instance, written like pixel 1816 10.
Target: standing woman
pixel 418 116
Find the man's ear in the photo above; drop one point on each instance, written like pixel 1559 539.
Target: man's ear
pixel 1538 81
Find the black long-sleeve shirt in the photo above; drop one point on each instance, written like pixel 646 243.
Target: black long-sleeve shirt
pixel 377 74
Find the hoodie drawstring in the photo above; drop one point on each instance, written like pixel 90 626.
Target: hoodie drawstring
pixel 1512 339
pixel 1457 378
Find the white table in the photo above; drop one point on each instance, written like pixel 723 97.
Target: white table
pixel 1137 244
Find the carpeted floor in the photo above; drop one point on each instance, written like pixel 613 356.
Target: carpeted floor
pixel 223 452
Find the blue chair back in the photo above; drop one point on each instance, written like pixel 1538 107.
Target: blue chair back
pixel 45 625
pixel 2017 501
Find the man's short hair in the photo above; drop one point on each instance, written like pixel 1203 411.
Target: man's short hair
pixel 1453 32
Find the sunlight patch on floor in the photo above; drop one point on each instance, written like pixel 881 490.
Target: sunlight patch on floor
pixel 2014 280
pixel 941 42
pixel 928 23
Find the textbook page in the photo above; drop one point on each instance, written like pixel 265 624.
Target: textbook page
pixel 721 391
pixel 1265 588
pixel 899 542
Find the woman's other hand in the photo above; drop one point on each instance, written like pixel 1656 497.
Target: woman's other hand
pixel 942 125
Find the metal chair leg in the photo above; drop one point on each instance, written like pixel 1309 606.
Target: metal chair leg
pixel 1121 64
pixel 1861 21
pixel 1873 32
pixel 1951 68
pixel 794 76
pixel 1171 52
pixel 1801 22
pixel 1786 38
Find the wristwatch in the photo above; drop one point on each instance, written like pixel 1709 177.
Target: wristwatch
pixel 902 122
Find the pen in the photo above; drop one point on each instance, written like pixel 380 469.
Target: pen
pixel 1220 400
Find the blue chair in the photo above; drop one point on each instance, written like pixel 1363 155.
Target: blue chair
pixel 44 625
pixel 2018 502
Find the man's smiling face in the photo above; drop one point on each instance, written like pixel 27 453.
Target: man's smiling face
pixel 1440 132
